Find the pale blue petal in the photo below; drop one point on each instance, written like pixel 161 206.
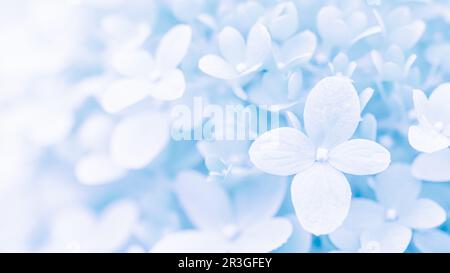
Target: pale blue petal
pixel 396 188
pixel 332 112
pixel 232 46
pixel 259 197
pixel 282 151
pixel 206 204
pixel 432 241
pixel 255 239
pixel 217 67
pixel 423 214
pixel 360 157
pixel 390 238
pixel 432 167
pixel 321 196
pixel 173 47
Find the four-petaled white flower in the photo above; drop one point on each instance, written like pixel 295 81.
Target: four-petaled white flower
pixel 238 220
pixel 240 58
pixel 399 210
pixel 321 194
pixel 145 75
pixel 432 134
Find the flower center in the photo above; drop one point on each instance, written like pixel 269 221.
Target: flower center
pixel 321 155
pixel 391 215
pixel 240 67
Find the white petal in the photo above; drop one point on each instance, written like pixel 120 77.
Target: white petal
pixel 396 188
pixel 135 64
pixel 123 93
pixel 191 242
pixel 391 238
pixel 283 20
pixel 321 196
pixel 170 87
pixel 423 214
pixel 432 241
pixel 298 49
pixel 259 197
pixel 137 140
pixel 427 140
pixel 97 169
pixel 282 151
pixel 432 167
pixel 407 36
pixel 332 112
pixel 232 45
pixel 439 101
pixel 364 214
pixel 360 157
pixel 263 237
pixel 217 67
pixel 258 46
pixel 173 47
pixel 421 107
pixel 300 240
pixel 206 203
pixel 365 97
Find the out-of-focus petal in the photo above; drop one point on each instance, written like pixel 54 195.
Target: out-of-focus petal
pixel 259 197
pixel 427 140
pixel 332 112
pixel 282 151
pixel 364 214
pixel 192 242
pixel 97 169
pixel 321 196
pixel 432 241
pixel 258 46
pixel 432 167
pixel 263 237
pixel 135 64
pixel 408 35
pixel 138 139
pixel 173 47
pixel 232 45
pixel 300 240
pixel 171 86
pixel 396 188
pixel 296 50
pixel 423 214
pixel 123 93
pixel 283 20
pixel 390 238
pixel 360 157
pixel 206 204
pixel 217 67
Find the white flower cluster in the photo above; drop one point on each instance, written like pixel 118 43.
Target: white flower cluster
pixel 306 126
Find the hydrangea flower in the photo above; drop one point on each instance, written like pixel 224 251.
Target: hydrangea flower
pixel 392 65
pixel 229 221
pixel 342 28
pixel 320 192
pixel 432 134
pixel 146 75
pixel 399 211
pixel 432 241
pixel 240 58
